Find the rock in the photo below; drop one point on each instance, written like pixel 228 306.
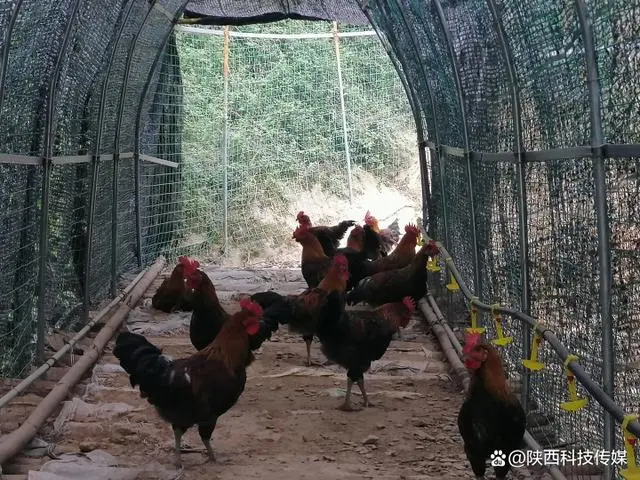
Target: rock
pixel 370 440
pixel 304 438
pixel 418 422
pixel 390 453
pixel 381 426
pixel 362 450
pixel 328 458
pixel 86 447
pixel 424 436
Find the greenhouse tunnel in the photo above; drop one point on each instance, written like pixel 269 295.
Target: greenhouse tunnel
pixel 525 114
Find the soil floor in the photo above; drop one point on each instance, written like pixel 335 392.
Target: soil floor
pixel 286 425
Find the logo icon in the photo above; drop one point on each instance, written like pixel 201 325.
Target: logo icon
pixel 498 458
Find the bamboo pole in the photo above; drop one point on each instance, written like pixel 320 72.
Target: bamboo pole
pixel 24 384
pixel 446 345
pixel 347 153
pixel 225 135
pixel 12 444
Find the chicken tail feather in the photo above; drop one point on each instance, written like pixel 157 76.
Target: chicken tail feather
pixel 145 364
pixel 277 310
pixel 359 293
pixel 390 235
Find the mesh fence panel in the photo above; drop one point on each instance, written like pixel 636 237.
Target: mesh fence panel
pixel 279 147
pixel 544 43
pixel 228 161
pixel 89 32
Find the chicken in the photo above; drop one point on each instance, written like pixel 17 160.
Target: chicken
pixel 393 285
pixel 355 240
pixel 173 293
pixel 315 263
pixel 354 252
pixel 208 316
pixel 355 339
pixel 329 237
pixel 400 257
pixel 378 242
pixel 198 389
pixel 491 417
pixel 307 308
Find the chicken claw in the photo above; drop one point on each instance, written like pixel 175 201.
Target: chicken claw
pixel 347 406
pixel 210 454
pixel 177 436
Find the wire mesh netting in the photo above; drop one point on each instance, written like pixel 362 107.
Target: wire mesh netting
pixel 302 119
pixel 63 69
pixel 122 138
pixel 268 140
pixel 525 85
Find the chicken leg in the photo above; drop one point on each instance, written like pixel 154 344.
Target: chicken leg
pixel 365 398
pixel 205 432
pixel 308 341
pixel 177 436
pixel 347 406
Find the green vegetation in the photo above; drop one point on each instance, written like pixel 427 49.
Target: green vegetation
pixel 284 125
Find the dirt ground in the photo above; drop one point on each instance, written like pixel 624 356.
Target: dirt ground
pixel 286 424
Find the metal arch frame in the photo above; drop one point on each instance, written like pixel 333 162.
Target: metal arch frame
pixel 46 181
pixel 96 158
pixel 136 140
pixel 525 299
pixel 465 134
pixel 417 117
pixel 116 151
pixel 415 106
pixel 604 254
pixel 5 49
pixel 414 42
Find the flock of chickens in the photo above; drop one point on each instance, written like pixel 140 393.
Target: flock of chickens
pixel 198 389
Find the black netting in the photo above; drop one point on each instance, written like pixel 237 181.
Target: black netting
pixel 71 48
pixel 244 12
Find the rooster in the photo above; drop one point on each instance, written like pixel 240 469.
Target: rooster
pixel 354 252
pixel 314 262
pixel 400 257
pixel 491 417
pixel 208 315
pixel 329 237
pixel 355 339
pixel 393 285
pixel 307 308
pixel 198 389
pixel 378 242
pixel 173 293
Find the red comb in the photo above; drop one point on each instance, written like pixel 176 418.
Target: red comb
pixel 250 306
pixel 411 228
pixel 189 263
pixel 470 341
pixel 340 260
pixel 409 303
